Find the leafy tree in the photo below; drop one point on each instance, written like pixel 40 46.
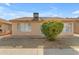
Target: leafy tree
pixel 51 29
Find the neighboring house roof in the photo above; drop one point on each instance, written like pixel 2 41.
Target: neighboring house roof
pixel 45 18
pixel 4 21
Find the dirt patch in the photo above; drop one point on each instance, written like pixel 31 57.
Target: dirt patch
pixel 29 42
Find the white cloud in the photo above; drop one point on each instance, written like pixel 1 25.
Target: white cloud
pixel 8 4
pixel 51 14
pixel 75 12
pixel 76 16
pixel 7 13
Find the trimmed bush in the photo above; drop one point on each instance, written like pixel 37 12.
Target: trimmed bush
pixel 51 29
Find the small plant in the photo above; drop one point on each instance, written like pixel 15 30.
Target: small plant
pixel 51 29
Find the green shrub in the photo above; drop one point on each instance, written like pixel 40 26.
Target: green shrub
pixel 51 29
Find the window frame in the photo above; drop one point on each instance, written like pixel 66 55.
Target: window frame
pixel 66 26
pixel 22 27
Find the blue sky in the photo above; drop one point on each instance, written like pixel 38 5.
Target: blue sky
pixel 16 10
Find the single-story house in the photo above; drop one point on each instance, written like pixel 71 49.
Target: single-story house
pixel 5 27
pixel 32 25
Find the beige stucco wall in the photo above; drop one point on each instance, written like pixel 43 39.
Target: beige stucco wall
pixel 76 28
pixel 35 29
pixel 6 28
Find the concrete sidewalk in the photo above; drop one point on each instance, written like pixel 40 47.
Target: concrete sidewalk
pixel 40 51
pixel 28 51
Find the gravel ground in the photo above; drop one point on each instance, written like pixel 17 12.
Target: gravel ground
pixel 31 42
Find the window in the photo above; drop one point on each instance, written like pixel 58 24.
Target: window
pixel 67 27
pixel 24 27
